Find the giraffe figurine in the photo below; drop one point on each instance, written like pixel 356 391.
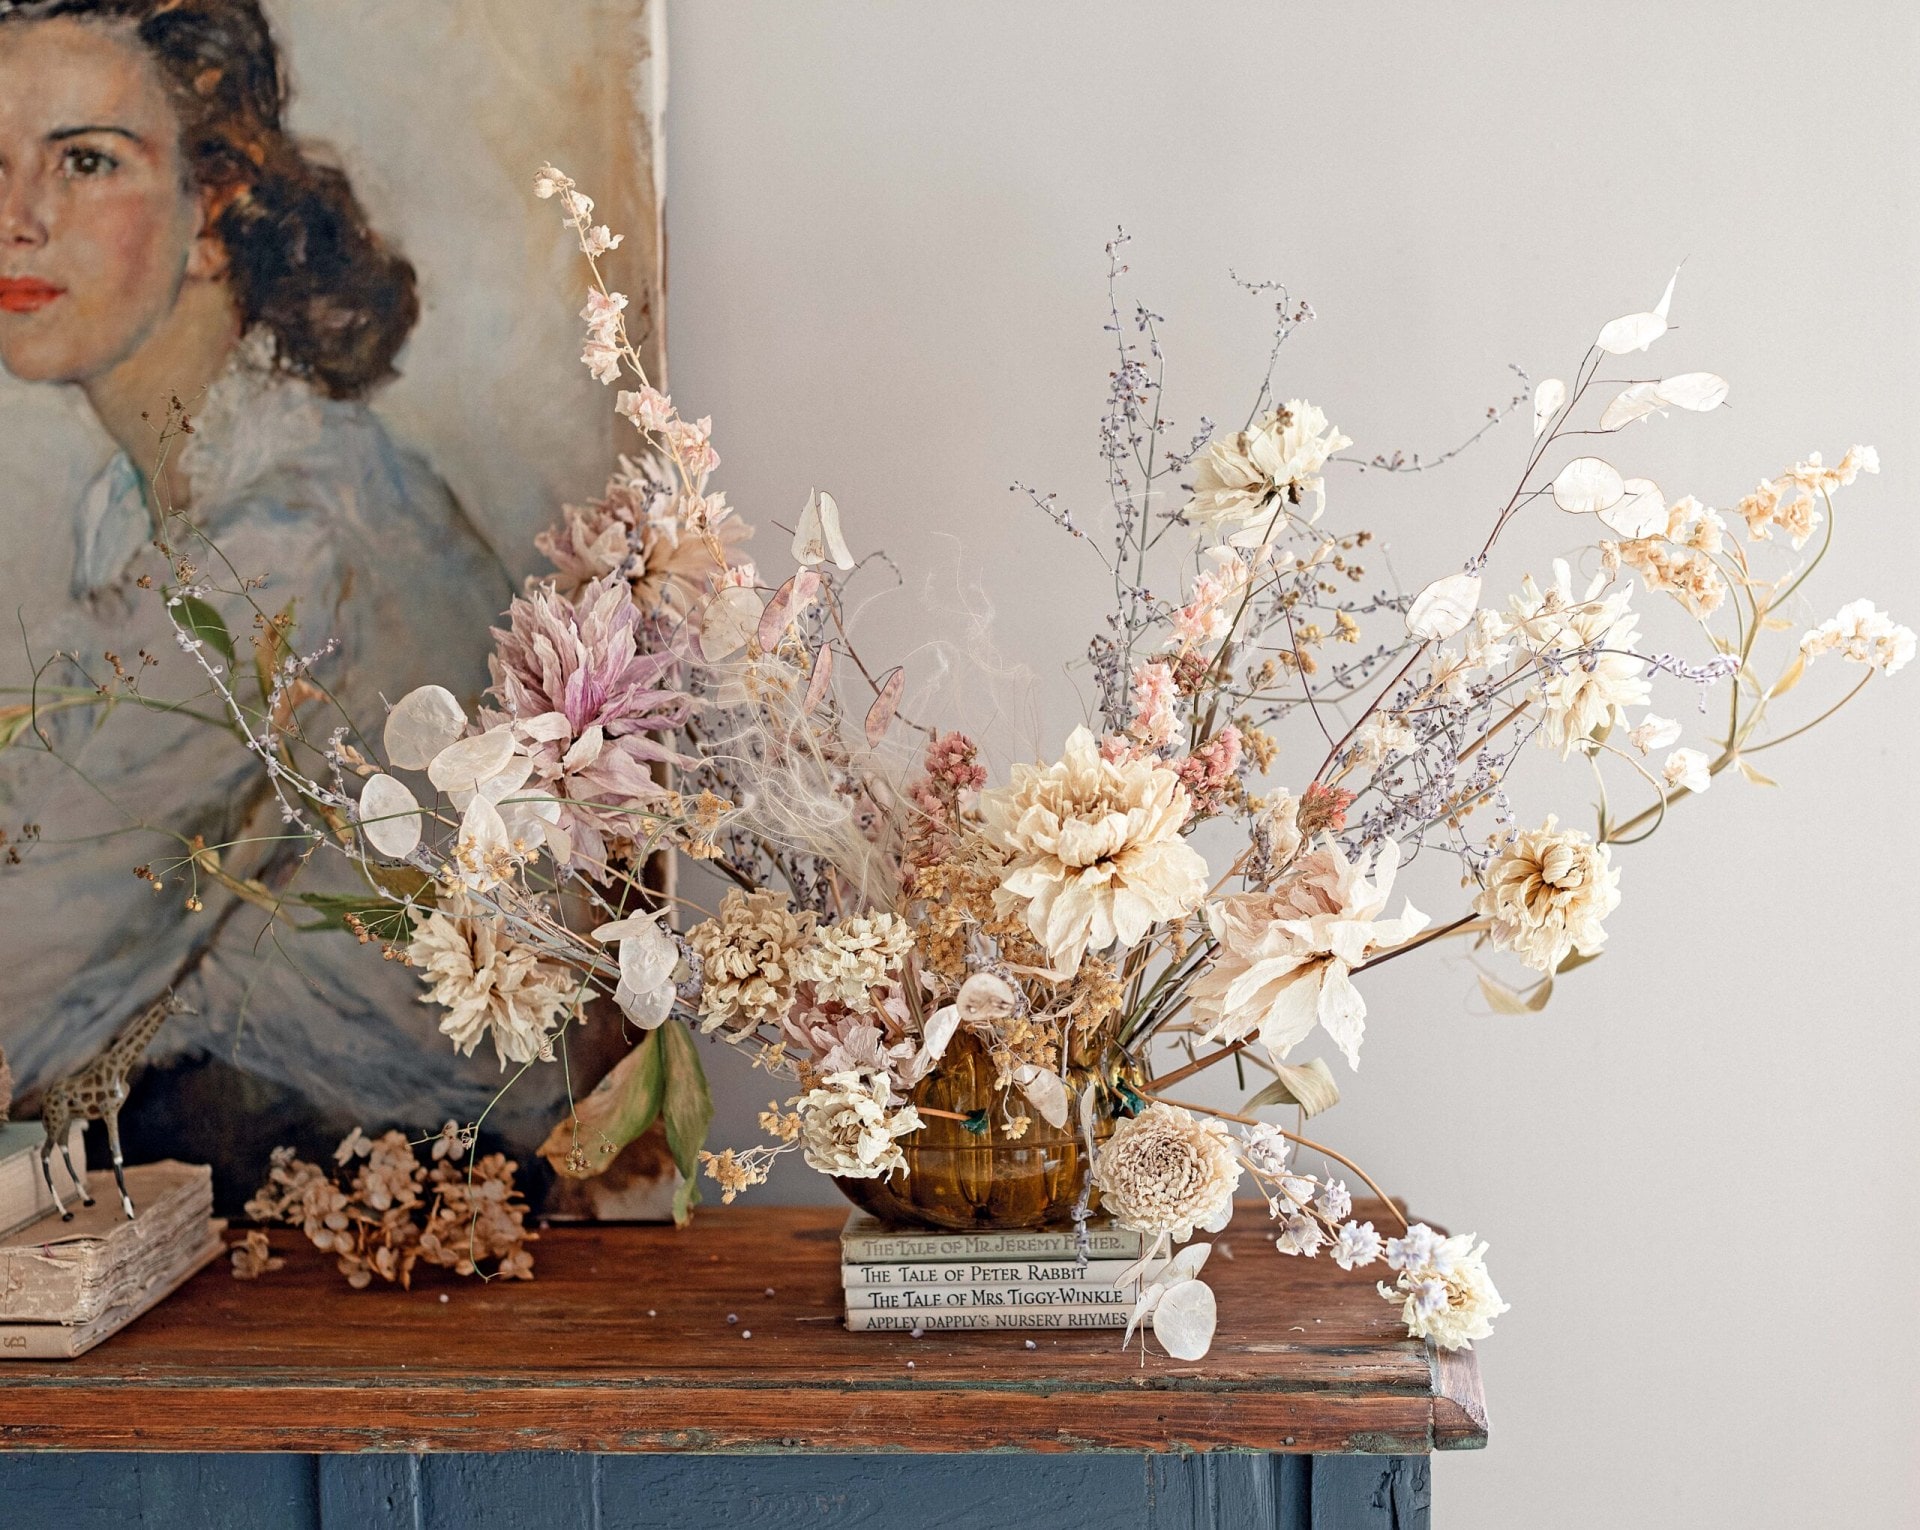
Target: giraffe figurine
pixel 96 1093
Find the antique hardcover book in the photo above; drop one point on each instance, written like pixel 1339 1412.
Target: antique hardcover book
pixel 63 1341
pixel 24 1196
pixel 985 1298
pixel 73 1272
pixel 869 1241
pixel 990 1317
pixel 949 1273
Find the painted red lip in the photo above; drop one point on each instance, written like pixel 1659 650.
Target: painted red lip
pixel 26 294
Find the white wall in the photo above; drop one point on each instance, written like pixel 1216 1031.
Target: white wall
pixel 1697 1168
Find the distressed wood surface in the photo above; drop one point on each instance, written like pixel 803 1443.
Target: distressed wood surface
pixel 623 1343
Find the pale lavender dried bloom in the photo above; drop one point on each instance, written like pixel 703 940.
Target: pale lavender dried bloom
pixel 1356 1244
pixel 583 698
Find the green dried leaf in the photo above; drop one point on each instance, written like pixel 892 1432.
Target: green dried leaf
pixel 198 619
pixel 382 919
pixel 622 1106
pixel 1308 1085
pixel 686 1110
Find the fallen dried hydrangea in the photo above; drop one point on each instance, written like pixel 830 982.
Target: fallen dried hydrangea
pixel 395 1212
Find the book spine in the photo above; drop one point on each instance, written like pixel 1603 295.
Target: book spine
pixel 907 1248
pixel 990 1298
pixel 988 1317
pixel 941 1274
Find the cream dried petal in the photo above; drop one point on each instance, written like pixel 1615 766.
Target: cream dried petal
pixel 1636 403
pixel 389 817
pixel 1637 331
pixel 1548 399
pixel 729 620
pixel 1641 510
pixel 464 764
pixel 1444 607
pixel 1586 485
pixel 1184 1320
pixel 1698 391
pixel 818 536
pixel 421 724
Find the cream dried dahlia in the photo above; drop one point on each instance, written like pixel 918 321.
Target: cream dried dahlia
pixel 1285 958
pixel 1093 850
pixel 1584 645
pixel 748 957
pixel 846 1128
pixel 1166 1172
pixel 490 984
pixel 1237 479
pixel 1547 893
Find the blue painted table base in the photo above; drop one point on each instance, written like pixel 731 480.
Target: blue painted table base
pixel 544 1491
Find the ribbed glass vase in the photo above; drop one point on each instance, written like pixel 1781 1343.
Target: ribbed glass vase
pixel 961 1180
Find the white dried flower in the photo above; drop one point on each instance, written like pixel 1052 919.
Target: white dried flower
pixel 1654 733
pixel 1356 1244
pixel 748 956
pixel 1547 894
pixel 1299 1234
pixel 1585 646
pixel 1335 1200
pixel 1244 480
pixel 848 959
pixel 1284 957
pixel 1265 1149
pixel 847 1130
pixel 1415 1249
pixel 1094 850
pixel 490 984
pixel 1382 734
pixel 1864 635
pixel 1448 1298
pixel 1685 770
pixel 1166 1172
pixel 1280 818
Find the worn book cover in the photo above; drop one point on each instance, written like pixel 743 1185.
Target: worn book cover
pixel 995 1272
pixel 63 1341
pixel 867 1240
pixel 992 1298
pixel 867 1321
pixel 58 1271
pixel 24 1196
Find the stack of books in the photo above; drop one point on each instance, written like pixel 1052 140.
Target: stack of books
pixel 66 1285
pixel 907 1280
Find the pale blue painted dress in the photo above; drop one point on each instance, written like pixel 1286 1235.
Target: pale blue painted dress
pixel 379 558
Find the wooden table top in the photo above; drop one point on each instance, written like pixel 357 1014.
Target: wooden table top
pixel 623 1342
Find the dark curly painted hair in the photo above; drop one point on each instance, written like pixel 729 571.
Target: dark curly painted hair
pixel 303 261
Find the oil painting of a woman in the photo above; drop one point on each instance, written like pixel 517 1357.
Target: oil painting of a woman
pixel 164 238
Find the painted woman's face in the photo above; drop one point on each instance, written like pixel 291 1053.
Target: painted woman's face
pixel 98 228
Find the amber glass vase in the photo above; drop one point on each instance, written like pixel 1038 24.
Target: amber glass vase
pixel 961 1180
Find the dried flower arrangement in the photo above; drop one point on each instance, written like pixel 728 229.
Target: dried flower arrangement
pixel 893 903
pixel 382 1211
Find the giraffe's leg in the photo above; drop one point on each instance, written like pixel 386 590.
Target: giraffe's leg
pixel 119 1168
pixel 46 1168
pixel 74 1177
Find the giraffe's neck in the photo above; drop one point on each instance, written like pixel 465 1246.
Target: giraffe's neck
pixel 130 1043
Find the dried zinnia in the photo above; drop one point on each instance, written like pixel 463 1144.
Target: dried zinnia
pixel 1166 1172
pixel 1547 893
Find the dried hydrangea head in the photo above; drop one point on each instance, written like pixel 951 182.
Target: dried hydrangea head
pixel 850 958
pixel 847 1129
pixel 1094 850
pixel 1444 1291
pixel 1167 1172
pixel 748 959
pixel 1547 893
